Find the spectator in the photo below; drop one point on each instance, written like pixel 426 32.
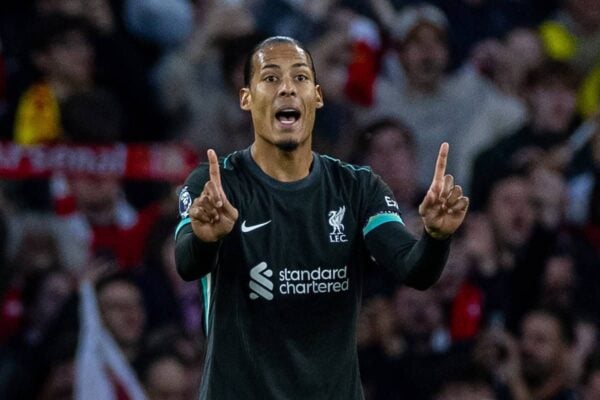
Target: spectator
pixel 211 61
pixel 164 377
pixel 462 108
pixel 388 147
pixel 421 346
pixel 497 242
pixel 123 313
pixel 62 53
pixel 111 329
pixel 120 65
pixel 539 370
pixel 508 61
pixel 572 35
pixel 302 20
pixel 168 299
pixel 36 256
pixel 466 383
pixel 551 97
pixel 474 21
pixel 187 349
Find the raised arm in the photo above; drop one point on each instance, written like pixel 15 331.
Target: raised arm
pixel 210 217
pixel 419 263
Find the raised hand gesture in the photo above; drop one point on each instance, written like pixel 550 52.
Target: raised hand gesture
pixel 444 207
pixel 212 215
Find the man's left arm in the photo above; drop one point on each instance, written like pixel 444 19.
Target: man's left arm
pixel 419 263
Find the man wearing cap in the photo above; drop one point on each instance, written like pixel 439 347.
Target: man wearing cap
pixel 461 108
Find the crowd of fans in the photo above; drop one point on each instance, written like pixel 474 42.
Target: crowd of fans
pixel 512 85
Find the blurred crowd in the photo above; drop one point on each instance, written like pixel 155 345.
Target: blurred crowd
pixel 512 85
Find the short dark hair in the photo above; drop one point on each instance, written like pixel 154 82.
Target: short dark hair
pixel 364 137
pixel 119 276
pixel 553 71
pixel 274 40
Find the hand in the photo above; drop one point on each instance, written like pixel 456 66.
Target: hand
pixel 444 207
pixel 212 215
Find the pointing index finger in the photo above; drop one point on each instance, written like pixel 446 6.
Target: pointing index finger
pixel 440 165
pixel 213 167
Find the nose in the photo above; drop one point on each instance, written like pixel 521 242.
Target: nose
pixel 287 87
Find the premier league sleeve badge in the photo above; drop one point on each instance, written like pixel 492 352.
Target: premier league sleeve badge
pixel 185 201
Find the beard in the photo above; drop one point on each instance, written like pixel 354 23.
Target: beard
pixel 287 145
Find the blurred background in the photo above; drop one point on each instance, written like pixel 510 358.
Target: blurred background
pixel 107 105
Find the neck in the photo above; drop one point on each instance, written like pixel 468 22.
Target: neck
pixel 284 166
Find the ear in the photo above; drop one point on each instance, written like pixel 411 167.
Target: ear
pixel 319 95
pixel 245 99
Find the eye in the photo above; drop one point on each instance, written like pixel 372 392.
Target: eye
pixel 270 78
pixel 302 78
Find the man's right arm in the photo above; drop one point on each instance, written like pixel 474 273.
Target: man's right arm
pixel 194 258
pixel 207 219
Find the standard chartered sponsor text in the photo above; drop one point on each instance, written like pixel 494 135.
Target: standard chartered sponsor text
pixel 318 280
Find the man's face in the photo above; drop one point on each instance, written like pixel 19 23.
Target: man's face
pixel 122 311
pixel 392 157
pixel 282 96
pixel 424 56
pixel 510 211
pixel 417 312
pixel 167 380
pixel 70 58
pixel 542 347
pixel 553 106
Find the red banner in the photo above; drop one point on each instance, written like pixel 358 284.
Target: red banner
pixel 130 161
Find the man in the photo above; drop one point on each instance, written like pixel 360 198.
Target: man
pixel 279 236
pixel 460 107
pixel 538 367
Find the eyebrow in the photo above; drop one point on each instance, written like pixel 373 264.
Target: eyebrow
pixel 275 66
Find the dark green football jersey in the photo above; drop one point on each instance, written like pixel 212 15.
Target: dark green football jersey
pixel 283 293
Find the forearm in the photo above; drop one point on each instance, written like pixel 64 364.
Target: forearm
pixel 416 263
pixel 194 258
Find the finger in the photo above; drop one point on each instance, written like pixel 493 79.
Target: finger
pixel 227 207
pixel 440 168
pixel 213 193
pixel 461 205
pixel 428 202
pixel 209 207
pixel 448 186
pixel 454 195
pixel 199 214
pixel 213 167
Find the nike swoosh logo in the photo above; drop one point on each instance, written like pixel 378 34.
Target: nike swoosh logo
pixel 250 228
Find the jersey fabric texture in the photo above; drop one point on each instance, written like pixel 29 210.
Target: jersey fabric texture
pixel 283 295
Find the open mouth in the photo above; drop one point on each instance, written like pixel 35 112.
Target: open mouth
pixel 287 116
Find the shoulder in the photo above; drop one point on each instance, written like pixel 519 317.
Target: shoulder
pixel 200 175
pixel 342 169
